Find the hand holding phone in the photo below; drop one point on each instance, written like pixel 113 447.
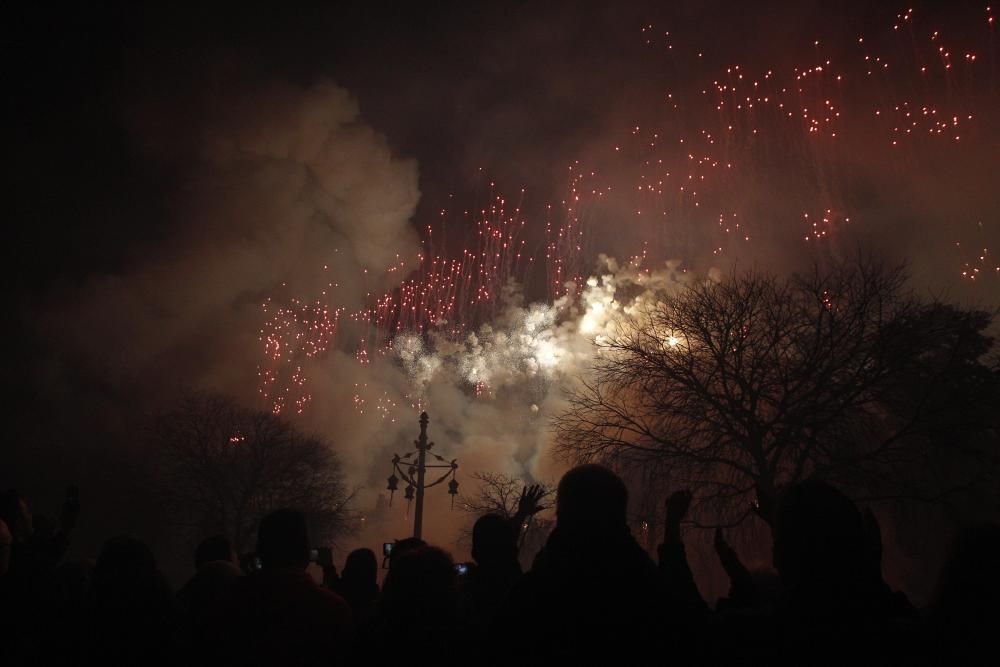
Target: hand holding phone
pixel 250 562
pixel 324 558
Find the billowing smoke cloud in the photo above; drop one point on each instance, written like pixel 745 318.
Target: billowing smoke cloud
pixel 285 186
pixel 490 395
pixel 287 191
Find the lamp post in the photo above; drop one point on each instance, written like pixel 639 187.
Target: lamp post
pixel 416 466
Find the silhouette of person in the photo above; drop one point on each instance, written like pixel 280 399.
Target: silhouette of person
pixel 601 593
pixel 6 541
pixel 132 616
pixel 30 559
pixel 418 607
pixel 400 547
pixel 835 603
pixel 965 614
pixel 278 615
pixel 67 612
pixel 685 602
pixel 203 596
pixel 485 587
pixel 358 584
pixel 756 590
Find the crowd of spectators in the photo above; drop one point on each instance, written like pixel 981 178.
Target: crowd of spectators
pixel 592 594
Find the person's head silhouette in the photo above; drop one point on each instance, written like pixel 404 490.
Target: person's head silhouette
pixel 212 549
pixel 126 578
pixel 819 536
pixel 591 499
pixel 494 541
pixel 283 540
pixel 421 586
pixel 970 580
pixel 15 512
pixel 400 547
pixel 361 567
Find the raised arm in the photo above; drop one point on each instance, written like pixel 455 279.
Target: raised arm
pixel 528 506
pixel 742 591
pixel 674 568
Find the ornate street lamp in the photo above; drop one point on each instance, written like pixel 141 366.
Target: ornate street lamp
pixel 416 465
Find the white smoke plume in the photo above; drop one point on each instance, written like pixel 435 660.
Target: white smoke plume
pixel 286 187
pixel 489 395
pixel 289 192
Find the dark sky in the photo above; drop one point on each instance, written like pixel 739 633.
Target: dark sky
pixel 107 107
pixel 80 79
pixel 519 89
pixel 122 190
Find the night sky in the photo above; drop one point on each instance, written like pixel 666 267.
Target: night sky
pixel 103 101
pixel 154 210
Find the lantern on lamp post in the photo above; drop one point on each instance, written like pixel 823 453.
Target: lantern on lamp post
pixel 412 468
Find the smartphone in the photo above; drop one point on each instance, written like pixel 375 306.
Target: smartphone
pixel 313 555
pixel 249 563
pixel 387 548
pixel 462 568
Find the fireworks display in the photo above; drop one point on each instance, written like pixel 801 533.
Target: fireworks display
pixel 349 214
pixel 747 160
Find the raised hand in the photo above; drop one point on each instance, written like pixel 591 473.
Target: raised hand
pixel 678 505
pixel 727 555
pixel 873 535
pixel 719 542
pixel 324 558
pixel 740 581
pixel 530 502
pixel 677 508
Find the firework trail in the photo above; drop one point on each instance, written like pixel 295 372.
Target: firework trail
pixel 724 164
pixel 290 336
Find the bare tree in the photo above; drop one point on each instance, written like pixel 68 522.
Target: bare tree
pixel 224 467
pixel 740 388
pixel 498 493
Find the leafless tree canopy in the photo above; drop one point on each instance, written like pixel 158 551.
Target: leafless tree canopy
pixel 742 387
pixel 224 467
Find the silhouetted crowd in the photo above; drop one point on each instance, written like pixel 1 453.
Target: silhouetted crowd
pixel 592 595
